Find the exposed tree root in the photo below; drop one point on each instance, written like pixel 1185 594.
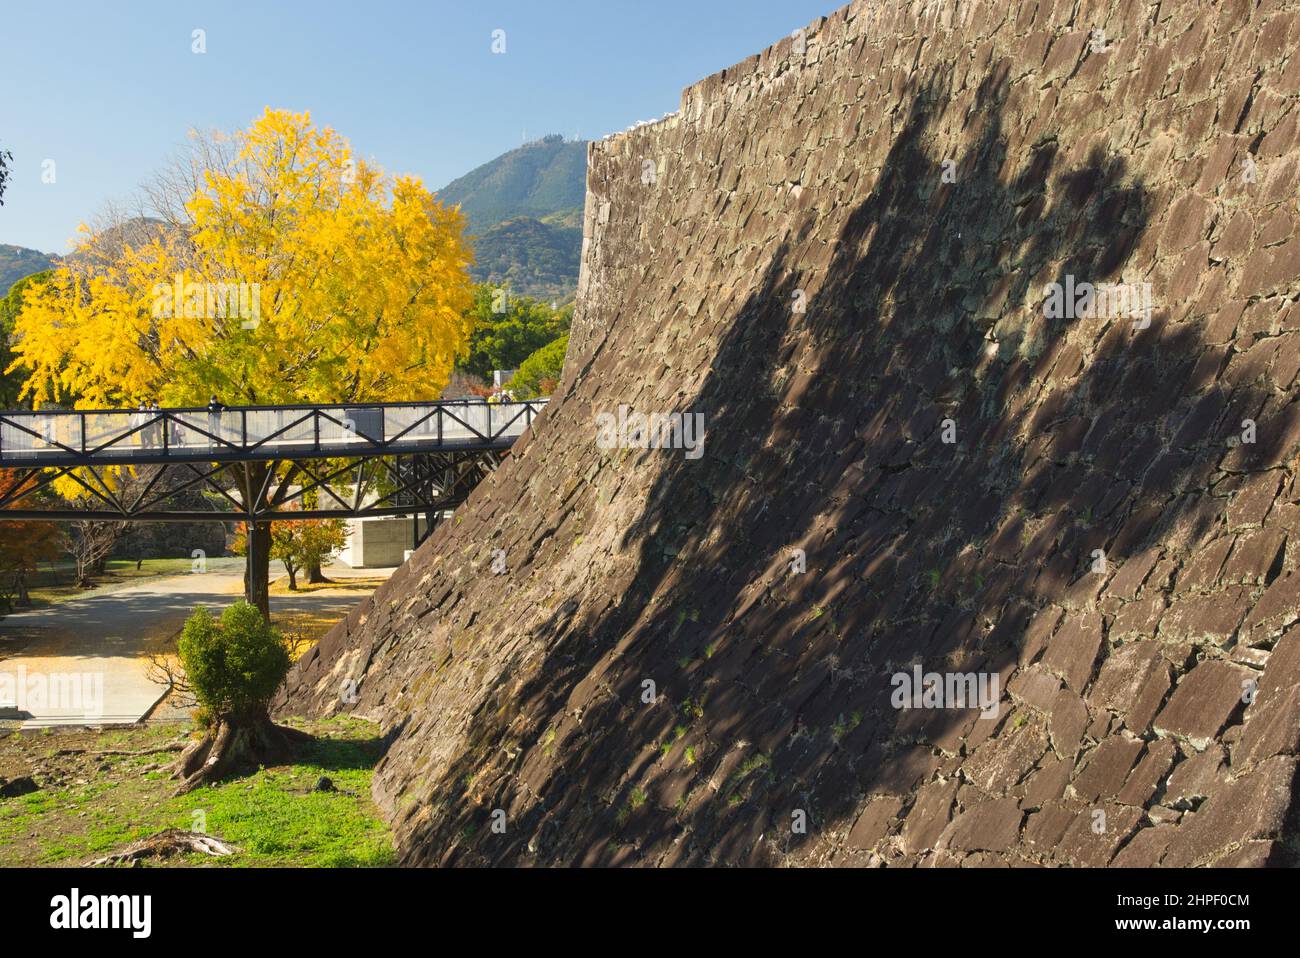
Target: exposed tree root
pixel 233 744
pixel 165 844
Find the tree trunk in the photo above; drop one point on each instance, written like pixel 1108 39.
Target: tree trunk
pixel 234 743
pixel 314 573
pixel 293 576
pixel 257 570
pixel 20 589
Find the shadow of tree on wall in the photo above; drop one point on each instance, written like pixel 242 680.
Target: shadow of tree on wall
pixel 824 434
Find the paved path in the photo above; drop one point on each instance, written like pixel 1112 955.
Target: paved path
pixel 85 661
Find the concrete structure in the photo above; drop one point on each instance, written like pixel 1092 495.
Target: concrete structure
pixel 381 543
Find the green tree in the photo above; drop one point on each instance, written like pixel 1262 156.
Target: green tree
pixel 234 666
pixel 307 544
pixel 321 541
pixel 300 544
pixel 509 329
pixel 540 372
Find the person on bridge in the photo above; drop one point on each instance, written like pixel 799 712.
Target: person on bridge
pixel 156 425
pixel 214 420
pixel 138 420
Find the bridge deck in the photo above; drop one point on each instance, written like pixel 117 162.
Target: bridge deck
pixel 64 438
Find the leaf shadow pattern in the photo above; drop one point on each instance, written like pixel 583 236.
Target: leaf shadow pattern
pixel 771 687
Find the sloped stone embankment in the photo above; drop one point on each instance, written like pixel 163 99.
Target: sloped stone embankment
pixel 840 252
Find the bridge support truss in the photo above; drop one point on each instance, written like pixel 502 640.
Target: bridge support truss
pixel 256 491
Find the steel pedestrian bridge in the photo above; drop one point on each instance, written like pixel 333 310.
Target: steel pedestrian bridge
pixel 260 462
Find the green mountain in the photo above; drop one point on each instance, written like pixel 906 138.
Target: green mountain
pixel 537 179
pixel 532 257
pixel 18 261
pixel 524 213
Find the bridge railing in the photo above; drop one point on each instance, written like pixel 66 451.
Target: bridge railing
pixel 58 437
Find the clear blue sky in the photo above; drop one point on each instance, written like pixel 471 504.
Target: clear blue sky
pixel 109 90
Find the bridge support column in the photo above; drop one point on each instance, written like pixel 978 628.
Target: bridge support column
pixel 257 569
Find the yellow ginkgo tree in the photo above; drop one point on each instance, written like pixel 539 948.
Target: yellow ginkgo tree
pixel 273 267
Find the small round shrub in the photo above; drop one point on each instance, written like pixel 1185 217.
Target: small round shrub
pixel 234 665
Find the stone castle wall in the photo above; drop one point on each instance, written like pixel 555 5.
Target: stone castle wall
pixel 838 253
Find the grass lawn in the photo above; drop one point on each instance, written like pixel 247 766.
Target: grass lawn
pixel 91 803
pixel 118 573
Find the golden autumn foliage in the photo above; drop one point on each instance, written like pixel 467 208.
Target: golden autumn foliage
pixel 300 274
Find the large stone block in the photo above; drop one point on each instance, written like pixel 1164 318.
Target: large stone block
pixel 1203 702
pixel 1133 682
pixel 1073 650
pixel 1107 768
pixel 989 826
pixel 1252 807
